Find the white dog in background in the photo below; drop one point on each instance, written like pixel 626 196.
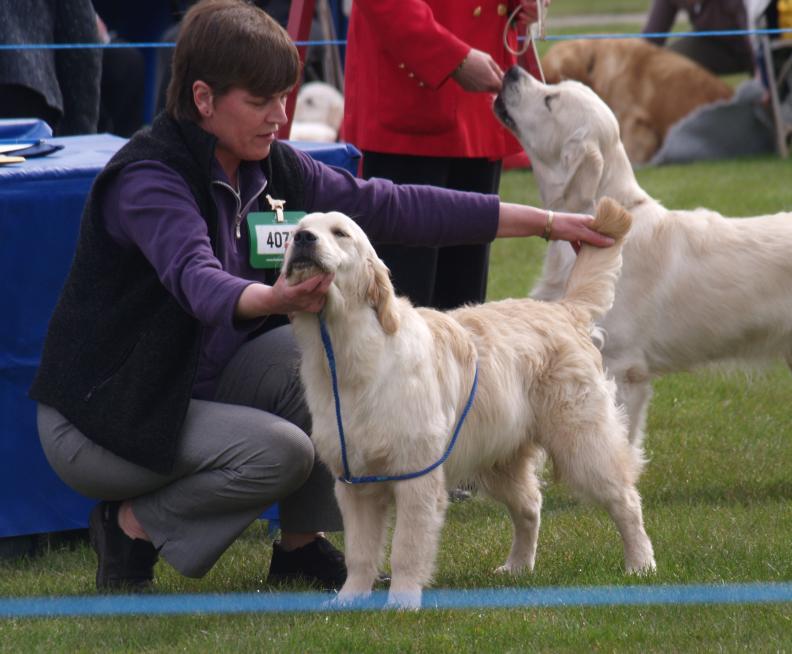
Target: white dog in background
pixel 696 288
pixel 404 376
pixel 318 113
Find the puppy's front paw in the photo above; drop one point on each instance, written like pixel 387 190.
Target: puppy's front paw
pixel 350 597
pixel 404 600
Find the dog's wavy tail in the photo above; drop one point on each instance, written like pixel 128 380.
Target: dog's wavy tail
pixel 592 282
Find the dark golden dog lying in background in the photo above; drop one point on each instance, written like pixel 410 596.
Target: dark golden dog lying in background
pixel 648 87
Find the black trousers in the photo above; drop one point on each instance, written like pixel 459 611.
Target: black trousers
pixel 445 277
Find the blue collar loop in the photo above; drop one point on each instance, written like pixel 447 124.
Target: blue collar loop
pixel 347 478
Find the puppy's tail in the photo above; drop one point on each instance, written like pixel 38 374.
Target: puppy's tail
pixel 592 283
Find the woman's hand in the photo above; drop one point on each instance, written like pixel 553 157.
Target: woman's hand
pixel 479 73
pixel 258 300
pixel 529 13
pixel 576 228
pixel 522 220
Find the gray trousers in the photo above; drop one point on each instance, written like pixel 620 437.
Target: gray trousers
pixel 237 455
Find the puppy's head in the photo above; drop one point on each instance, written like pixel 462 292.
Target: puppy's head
pixel 565 128
pixel 334 243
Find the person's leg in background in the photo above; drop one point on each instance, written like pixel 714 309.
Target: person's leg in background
pixel 122 95
pixel 18 101
pixel 717 55
pixel 413 269
pixel 462 270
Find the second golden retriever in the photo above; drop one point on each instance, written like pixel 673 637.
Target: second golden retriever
pixel 697 287
pixel 648 87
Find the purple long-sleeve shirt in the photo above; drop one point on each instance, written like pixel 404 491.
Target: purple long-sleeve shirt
pixel 208 283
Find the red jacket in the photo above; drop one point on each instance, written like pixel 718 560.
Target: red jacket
pixel 399 95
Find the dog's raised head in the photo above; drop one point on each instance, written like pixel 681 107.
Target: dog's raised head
pixel 567 131
pixel 334 243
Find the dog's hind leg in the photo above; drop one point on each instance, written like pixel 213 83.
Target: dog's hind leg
pixel 365 515
pixel 516 485
pixel 635 396
pixel 420 509
pixel 592 454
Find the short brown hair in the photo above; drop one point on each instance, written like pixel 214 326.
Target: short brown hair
pixel 229 44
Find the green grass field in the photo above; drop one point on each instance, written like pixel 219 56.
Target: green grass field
pixel 565 8
pixel 717 503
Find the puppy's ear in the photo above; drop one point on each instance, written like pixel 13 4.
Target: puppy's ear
pixel 381 296
pixel 583 163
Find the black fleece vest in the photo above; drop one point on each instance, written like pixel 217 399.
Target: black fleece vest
pixel 120 356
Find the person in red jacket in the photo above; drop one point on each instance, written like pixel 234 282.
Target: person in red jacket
pixel 420 75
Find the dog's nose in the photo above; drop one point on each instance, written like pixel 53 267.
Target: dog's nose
pixel 512 75
pixel 304 238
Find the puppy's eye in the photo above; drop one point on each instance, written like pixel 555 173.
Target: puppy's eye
pixel 340 233
pixel 548 99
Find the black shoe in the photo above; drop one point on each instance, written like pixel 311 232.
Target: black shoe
pixel 125 564
pixel 318 563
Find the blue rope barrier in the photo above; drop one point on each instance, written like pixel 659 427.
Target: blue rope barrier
pixel 496 598
pixel 110 46
pixel 557 37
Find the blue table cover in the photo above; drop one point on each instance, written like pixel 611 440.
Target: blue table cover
pixel 41 202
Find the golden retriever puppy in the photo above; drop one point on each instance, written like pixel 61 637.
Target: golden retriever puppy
pixel 648 87
pixel 404 377
pixel 696 288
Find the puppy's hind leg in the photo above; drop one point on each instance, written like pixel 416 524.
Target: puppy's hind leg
pixel 592 454
pixel 420 509
pixel 517 486
pixel 364 512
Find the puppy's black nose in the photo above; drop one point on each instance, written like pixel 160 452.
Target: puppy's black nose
pixel 304 238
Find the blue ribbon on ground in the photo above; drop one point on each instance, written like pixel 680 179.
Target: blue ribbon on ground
pixel 495 598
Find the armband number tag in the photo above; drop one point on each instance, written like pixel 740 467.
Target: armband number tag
pixel 269 236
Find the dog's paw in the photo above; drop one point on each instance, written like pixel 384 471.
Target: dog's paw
pixel 349 598
pixel 404 600
pixel 643 568
pixel 513 569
